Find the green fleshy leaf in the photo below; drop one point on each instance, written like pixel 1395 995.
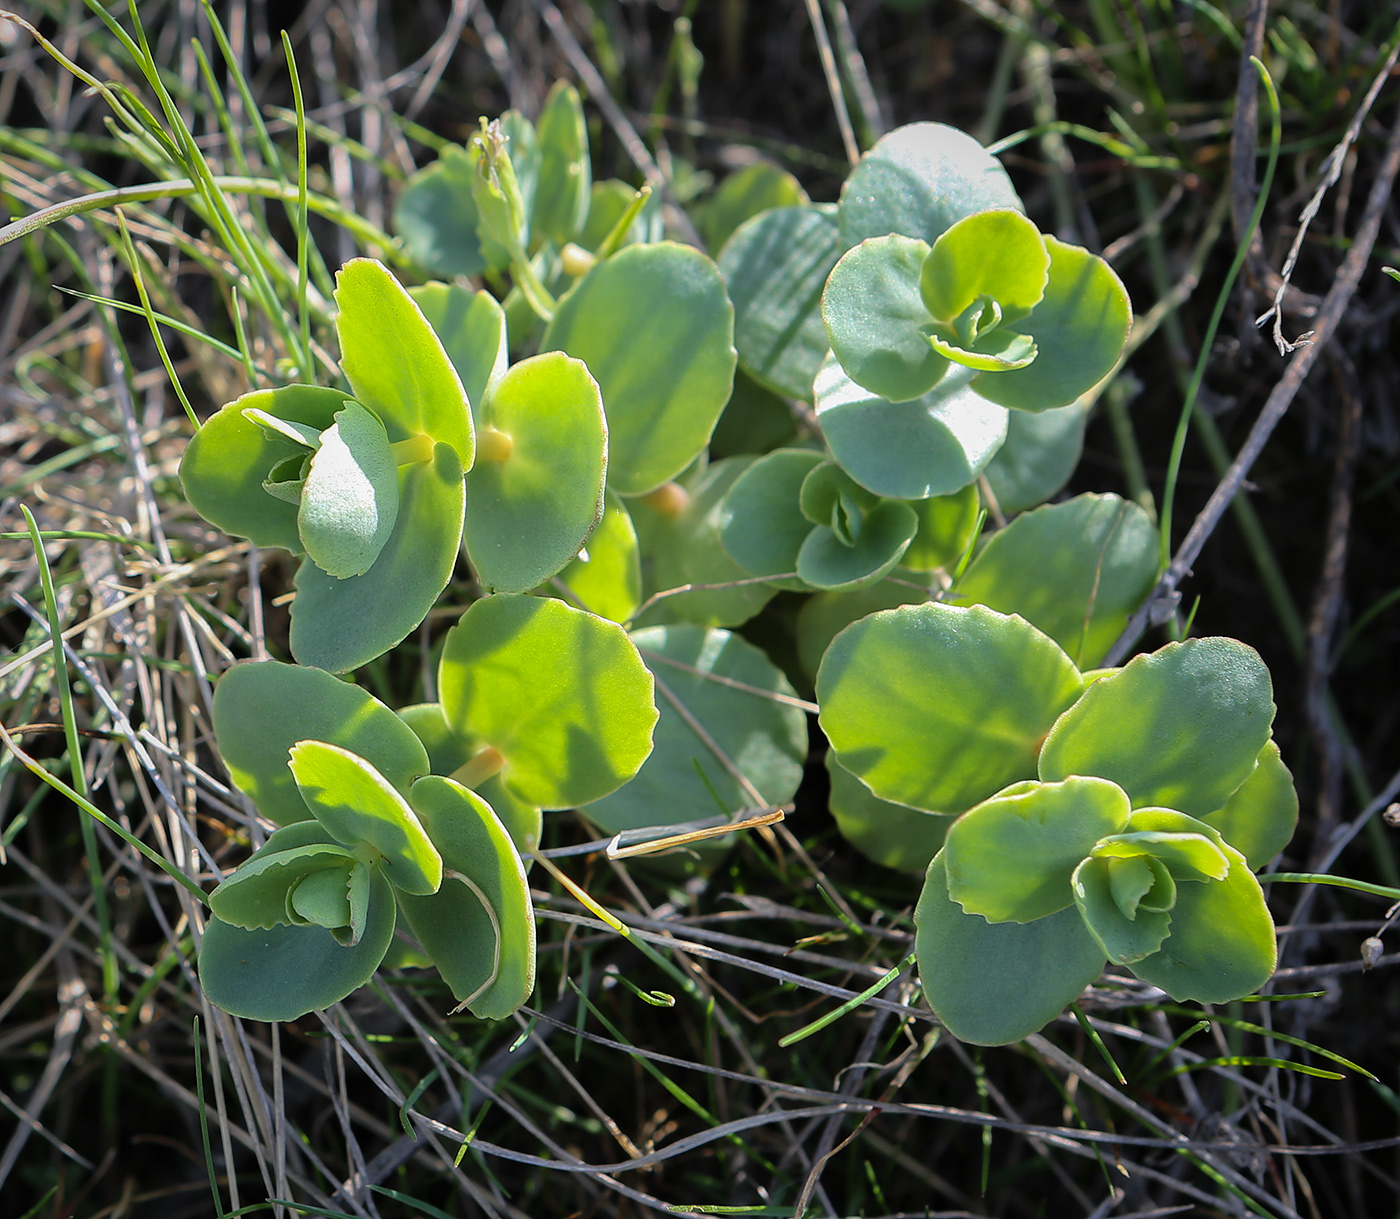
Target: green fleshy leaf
pixel 995 983
pixel 340 625
pixel 875 319
pixel 229 458
pixel 1079 327
pixel 823 616
pixel 999 351
pixel 360 806
pixel 764 739
pixel 322 898
pixel 934 445
pixel 560 693
pixel 1075 570
pixel 472 329
pixel 997 254
pixel 608 204
pixel 487 960
pixel 1190 849
pixel 829 496
pixel 395 362
pixel 686 549
pixel 1040 454
pixel 282 973
pixel 263 707
pixel 1222 944
pixel 826 561
pixel 447 752
pixel 565 174
pixel 776 265
pixel 1259 818
pixel 947 525
pixel 939 707
pixel 1103 887
pixel 255 893
pixel 350 496
pixel 532 510
pixel 761 523
pixel 1010 858
pixel 656 329
pixel 1178 729
pixel 745 193
pixel 891 834
pixel 920 180
pixel 436 215
pixel 606 577
pixel 275 428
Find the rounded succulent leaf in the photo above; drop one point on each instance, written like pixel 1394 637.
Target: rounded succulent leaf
pixel 565 183
pixel 282 973
pixel 1260 816
pixel 1076 570
pixel 1179 729
pixel 761 523
pixel 656 329
pixel 359 806
pixel 995 983
pixel 341 624
pixel 920 180
pixel 947 526
pixel 891 834
pixel 997 254
pixel 395 362
pixel 723 704
pixel 487 960
pixel 933 445
pixel 828 561
pixel 350 497
pixel 606 577
pixel 607 205
pixel 1222 944
pixel 875 318
pixel 255 893
pixel 744 193
pixel 1108 893
pixel 264 707
pixel 532 509
pixel 1079 327
pixel 231 456
pixel 939 707
pixel 560 693
pixel 776 265
pixel 436 215
pixel 472 329
pixel 1010 858
pixel 1040 454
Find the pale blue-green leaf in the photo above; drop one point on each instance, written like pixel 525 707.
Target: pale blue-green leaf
pixel 824 561
pixel 472 329
pixel 436 215
pixel 263 707
pixel 1124 937
pixel 939 707
pixel 560 693
pixel 1261 815
pixel 229 458
pixel 947 525
pixel 359 807
pixel 745 193
pixel 761 524
pixel 282 973
pixel 934 445
pixel 341 624
pixel 920 180
pixel 350 497
pixel 1178 729
pixel 995 983
pixel 656 329
pixel 1080 327
pixel 565 176
pixel 708 725
pixel 876 321
pixel 322 898
pixel 532 510
pixel 255 893
pixel 776 265
pixel 1076 570
pixel 395 362
pixel 487 960
pixel 825 615
pixel 1011 857
pixel 1038 457
pixel 891 834
pixel 997 351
